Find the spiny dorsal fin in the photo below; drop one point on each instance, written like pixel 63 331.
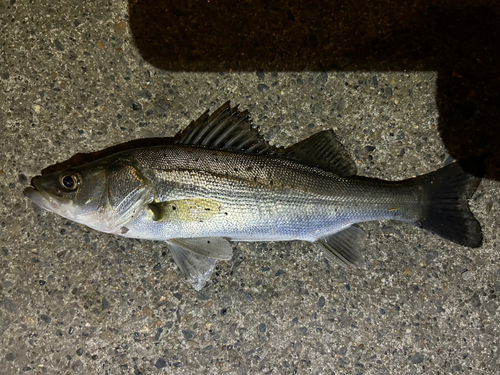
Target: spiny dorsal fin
pixel 230 129
pixel 227 128
pixel 322 150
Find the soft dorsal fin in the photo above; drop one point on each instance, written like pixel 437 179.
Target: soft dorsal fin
pixel 322 150
pixel 227 128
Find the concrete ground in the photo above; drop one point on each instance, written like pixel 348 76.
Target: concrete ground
pixel 73 300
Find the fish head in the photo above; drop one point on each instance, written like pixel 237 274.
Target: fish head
pixel 100 195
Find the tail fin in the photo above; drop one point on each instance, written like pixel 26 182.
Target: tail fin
pixel 445 207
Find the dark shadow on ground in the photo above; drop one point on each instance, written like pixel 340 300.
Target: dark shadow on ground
pixel 458 39
pixel 463 46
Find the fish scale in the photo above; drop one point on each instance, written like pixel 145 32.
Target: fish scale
pixel 219 180
pixel 304 202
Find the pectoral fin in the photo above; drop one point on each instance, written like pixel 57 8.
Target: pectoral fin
pixel 196 268
pixel 209 247
pixel 196 257
pixel 344 247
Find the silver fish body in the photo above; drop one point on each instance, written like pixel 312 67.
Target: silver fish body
pixel 219 180
pixel 249 197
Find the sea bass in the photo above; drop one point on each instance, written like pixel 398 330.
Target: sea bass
pixel 220 181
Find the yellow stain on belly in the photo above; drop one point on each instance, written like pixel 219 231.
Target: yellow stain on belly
pixel 185 210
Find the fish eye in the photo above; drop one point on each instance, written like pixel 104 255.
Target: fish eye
pixel 69 182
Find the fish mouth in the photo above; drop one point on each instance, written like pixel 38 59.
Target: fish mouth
pixel 28 191
pixel 39 196
pixel 33 194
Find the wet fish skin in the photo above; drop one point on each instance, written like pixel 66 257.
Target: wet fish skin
pixel 259 198
pixel 253 197
pixel 220 180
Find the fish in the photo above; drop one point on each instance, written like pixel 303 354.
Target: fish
pixel 219 181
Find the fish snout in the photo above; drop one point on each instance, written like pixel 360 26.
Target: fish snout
pixel 33 180
pixel 37 194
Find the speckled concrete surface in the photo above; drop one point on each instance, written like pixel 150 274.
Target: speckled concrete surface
pixel 73 300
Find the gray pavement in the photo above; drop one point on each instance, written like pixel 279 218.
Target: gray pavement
pixel 73 300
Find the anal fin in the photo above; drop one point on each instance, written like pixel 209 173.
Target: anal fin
pixel 344 247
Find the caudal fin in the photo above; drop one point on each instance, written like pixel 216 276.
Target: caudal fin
pixel 446 193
